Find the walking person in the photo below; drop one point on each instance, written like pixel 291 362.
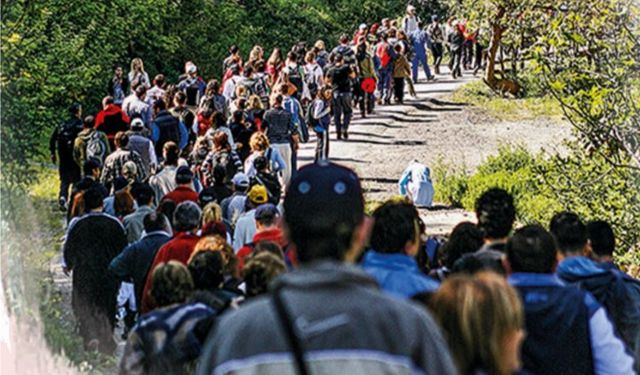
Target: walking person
pixel 401 72
pixel 385 54
pixel 319 114
pixel 436 33
pixel 421 42
pixel 367 80
pixel 282 133
pixel 456 41
pixel 61 146
pixel 410 21
pixel 87 253
pixel 340 77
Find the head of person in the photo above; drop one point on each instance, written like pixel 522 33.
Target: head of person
pixel 88 122
pixel 75 110
pixel 211 213
pixel 212 89
pixel 171 153
pixel 156 221
pixel 310 57
pixel 344 39
pixel 219 175
pixel 602 239
pixel 292 57
pixel 319 45
pixel 361 48
pixel 93 199
pixel 180 99
pixel 107 101
pixel 206 197
pixel 467 309
pixel 278 99
pixel 269 247
pixel 266 216
pixel 167 207
pixel 435 18
pixel 192 70
pixel 254 102
pixel 141 92
pixel 117 70
pixel 184 176
pixel 137 65
pixel 234 50
pixel 221 141
pixel 256 196
pixel 123 203
pixel 240 182
pixel 137 124
pixel 261 164
pixel 411 10
pixel 259 142
pixel 92 167
pixel 324 213
pixel 121 140
pixel 248 71
pixel 171 283
pixel 570 234
pixel 495 213
pixel 465 238
pixel 130 171
pixel 260 270
pixel 186 217
pixel 339 59
pixel 217 243
pixel 237 117
pixel 396 228
pixel 326 93
pixel 207 270
pixel 531 249
pixel 159 106
pixel 159 80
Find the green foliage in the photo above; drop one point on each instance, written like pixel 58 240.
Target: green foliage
pixel 58 52
pixel 498 107
pixel 543 186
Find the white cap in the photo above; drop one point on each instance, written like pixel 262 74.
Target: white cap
pixel 363 26
pixel 192 69
pixel 410 8
pixel 137 123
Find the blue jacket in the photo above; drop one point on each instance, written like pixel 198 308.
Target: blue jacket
pixel 617 292
pixel 558 318
pixel 398 274
pixel 421 41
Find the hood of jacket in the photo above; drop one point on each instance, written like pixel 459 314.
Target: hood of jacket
pixel 577 268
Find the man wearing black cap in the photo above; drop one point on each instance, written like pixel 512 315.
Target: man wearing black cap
pixel 183 191
pixel 329 314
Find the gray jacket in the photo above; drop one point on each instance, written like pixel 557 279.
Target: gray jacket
pixel 280 126
pixel 347 327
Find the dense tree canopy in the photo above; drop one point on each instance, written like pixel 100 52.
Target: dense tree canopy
pixel 58 52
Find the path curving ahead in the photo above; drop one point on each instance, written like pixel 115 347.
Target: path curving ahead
pixel 428 128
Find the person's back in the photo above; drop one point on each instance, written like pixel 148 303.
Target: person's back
pixel 567 330
pixel 395 240
pixel 618 293
pixel 168 129
pixel 279 123
pixel 360 331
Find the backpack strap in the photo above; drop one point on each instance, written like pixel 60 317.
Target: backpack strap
pixel 292 338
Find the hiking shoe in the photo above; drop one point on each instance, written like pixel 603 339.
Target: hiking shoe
pixel 62 203
pixel 346 135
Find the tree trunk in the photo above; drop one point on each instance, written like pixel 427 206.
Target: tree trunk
pixel 498 85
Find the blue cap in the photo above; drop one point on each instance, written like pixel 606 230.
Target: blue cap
pixel 265 211
pixel 322 196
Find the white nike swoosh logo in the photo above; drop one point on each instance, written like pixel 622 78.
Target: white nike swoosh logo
pixel 308 329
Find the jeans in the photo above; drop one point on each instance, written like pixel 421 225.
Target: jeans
pixel 322 145
pixel 419 58
pixel 384 83
pixel 285 151
pixel 342 110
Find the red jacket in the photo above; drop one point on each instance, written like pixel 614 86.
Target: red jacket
pixel 273 235
pixel 112 120
pixel 179 249
pixel 181 194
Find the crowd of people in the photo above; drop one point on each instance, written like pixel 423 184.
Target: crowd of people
pixel 190 225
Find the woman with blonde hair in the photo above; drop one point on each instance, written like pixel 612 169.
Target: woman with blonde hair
pixel 482 319
pixel 137 75
pixel 260 146
pixel 256 54
pixel 217 243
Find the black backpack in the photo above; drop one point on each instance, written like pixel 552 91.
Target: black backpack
pixel 193 92
pixel 67 133
pixel 296 77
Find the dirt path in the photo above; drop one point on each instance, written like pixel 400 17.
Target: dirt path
pixel 428 128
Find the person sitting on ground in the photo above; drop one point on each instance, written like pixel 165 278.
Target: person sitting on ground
pixel 184 187
pixel 462 306
pixel 165 341
pixel 267 229
pixel 260 270
pixel 326 222
pixel 618 293
pixel 186 220
pixel 603 243
pixel 466 238
pixel 568 332
pixel 164 181
pixel 395 241
pixel 114 162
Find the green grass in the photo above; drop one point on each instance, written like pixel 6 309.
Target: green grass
pixel 501 108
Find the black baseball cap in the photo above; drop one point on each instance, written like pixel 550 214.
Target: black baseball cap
pixel 206 196
pixel 323 198
pixel 184 175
